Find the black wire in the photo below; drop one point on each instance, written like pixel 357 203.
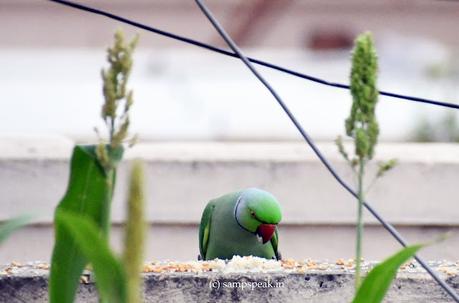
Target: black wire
pixel 310 142
pixel 254 60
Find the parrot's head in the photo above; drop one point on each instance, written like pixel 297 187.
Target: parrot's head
pixel 258 212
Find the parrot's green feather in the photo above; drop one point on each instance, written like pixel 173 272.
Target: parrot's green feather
pixel 205 239
pixel 261 203
pixel 204 229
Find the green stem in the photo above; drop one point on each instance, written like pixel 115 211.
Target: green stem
pixel 112 130
pixel 358 247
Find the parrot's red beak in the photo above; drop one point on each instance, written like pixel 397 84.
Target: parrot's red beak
pixel 266 231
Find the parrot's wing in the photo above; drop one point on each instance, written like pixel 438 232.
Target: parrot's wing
pixel 274 243
pixel 204 229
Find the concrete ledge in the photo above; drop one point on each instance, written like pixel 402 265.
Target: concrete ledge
pixel 419 196
pixel 420 191
pixel 286 282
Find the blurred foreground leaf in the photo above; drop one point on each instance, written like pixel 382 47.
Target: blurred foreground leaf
pixel 379 279
pixel 89 194
pixel 8 227
pixel 135 234
pixel 110 276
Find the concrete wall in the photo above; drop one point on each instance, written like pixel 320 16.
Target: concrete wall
pixel 29 284
pixel 419 196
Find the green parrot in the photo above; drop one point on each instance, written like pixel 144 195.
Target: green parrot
pixel 242 223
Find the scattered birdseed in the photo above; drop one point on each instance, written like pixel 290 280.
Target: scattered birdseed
pixel 449 271
pixel 340 262
pixel 42 266
pixel 244 265
pixel 289 264
pixel 84 279
pixel 16 264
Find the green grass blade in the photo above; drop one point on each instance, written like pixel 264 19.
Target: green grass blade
pixel 89 193
pixel 379 279
pixel 110 275
pixel 135 234
pixel 8 227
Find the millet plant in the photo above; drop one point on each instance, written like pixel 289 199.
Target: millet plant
pixel 82 218
pixel 118 99
pixel 362 127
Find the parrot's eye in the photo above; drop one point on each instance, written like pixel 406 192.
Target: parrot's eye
pixel 252 213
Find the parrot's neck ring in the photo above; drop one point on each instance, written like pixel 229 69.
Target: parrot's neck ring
pixel 235 215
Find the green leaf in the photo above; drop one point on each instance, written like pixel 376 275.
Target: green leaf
pixel 110 275
pixel 89 193
pixel 384 167
pixel 8 227
pixel 378 281
pixel 341 149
